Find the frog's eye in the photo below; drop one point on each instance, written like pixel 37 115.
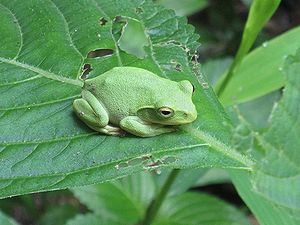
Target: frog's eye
pixel 166 112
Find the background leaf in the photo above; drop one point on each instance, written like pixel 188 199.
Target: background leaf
pixel 184 8
pixel 61 213
pixel 185 179
pixel 43 145
pixel 91 219
pixel 5 220
pixel 195 208
pixel 125 201
pixel 215 68
pixel 133 44
pixel 274 184
pixel 260 12
pixel 269 58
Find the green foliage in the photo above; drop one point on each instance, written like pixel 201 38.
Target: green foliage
pixel 184 180
pixel 125 201
pixel 270 190
pixel 265 64
pixel 268 186
pixel 61 213
pixel 260 13
pixel 91 219
pixel 184 8
pixel 133 44
pixel 43 145
pixel 5 220
pixel 109 200
pixel 195 208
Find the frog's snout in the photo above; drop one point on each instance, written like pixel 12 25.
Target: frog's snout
pixel 184 117
pixel 190 117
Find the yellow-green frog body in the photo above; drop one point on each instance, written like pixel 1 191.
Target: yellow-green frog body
pixel 135 100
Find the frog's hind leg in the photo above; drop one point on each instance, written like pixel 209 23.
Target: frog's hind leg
pixel 138 127
pixel 85 112
pixel 95 121
pixel 95 107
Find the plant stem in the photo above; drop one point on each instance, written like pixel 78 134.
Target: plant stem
pixel 156 203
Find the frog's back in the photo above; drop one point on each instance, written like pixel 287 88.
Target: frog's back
pixel 126 89
pixel 131 74
pixel 127 80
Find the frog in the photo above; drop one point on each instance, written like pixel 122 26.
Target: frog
pixel 133 100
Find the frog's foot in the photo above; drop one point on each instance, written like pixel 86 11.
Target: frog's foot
pixel 89 113
pixel 138 127
pixel 110 130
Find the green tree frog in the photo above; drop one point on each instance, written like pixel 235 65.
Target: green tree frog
pixel 135 100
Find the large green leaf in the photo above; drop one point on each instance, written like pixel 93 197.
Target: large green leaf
pixel 44 49
pixel 273 187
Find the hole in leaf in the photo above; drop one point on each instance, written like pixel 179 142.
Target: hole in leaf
pixel 121 165
pixel 135 161
pixel 102 21
pixel 87 68
pixel 146 157
pixel 139 10
pixel 169 159
pixel 119 19
pixel 118 23
pixel 132 37
pixel 153 164
pixel 178 67
pixel 195 58
pixel 205 85
pixel 101 52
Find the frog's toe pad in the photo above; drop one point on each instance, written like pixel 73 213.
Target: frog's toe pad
pixel 111 130
pixel 120 133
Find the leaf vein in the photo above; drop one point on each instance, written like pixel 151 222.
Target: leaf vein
pixel 42 72
pixel 49 141
pixel 26 157
pixel 19 28
pixel 69 37
pixel 39 104
pixel 21 81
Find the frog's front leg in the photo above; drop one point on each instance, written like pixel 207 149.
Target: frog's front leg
pixel 138 127
pixel 93 114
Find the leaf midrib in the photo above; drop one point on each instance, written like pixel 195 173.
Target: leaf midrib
pixel 221 147
pixel 42 72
